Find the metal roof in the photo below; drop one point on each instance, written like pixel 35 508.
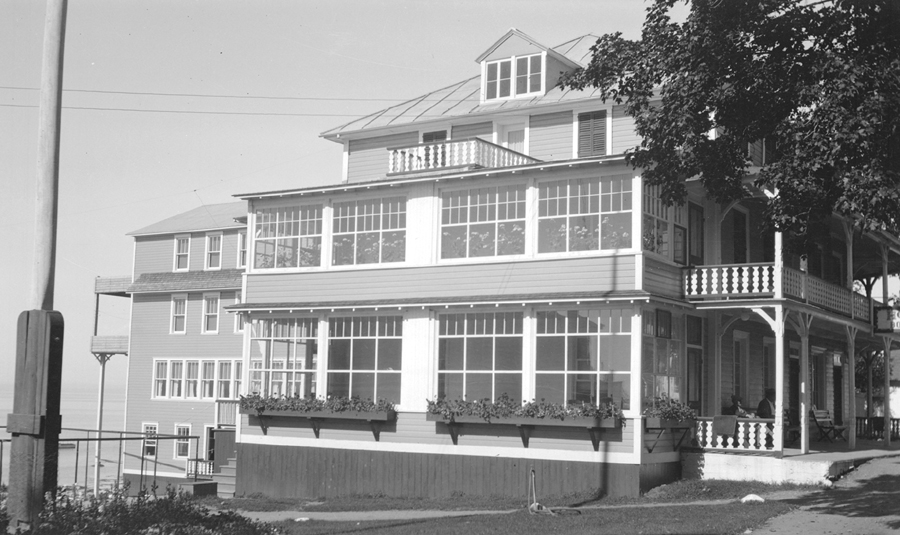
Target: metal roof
pixel 463 99
pixel 202 218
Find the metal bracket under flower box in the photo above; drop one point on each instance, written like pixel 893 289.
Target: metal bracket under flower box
pixel 315 418
pixel 526 425
pixel 660 424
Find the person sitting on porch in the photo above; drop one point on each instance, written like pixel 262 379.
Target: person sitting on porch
pixel 766 409
pixel 737 408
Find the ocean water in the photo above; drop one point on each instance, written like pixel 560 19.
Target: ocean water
pixel 79 412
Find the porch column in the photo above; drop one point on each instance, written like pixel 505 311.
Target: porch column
pixel 804 323
pixel 887 390
pixel 716 400
pixel 779 379
pixel 779 267
pixel 885 251
pixel 851 381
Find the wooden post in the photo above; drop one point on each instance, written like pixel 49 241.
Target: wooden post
pixel 47 184
pixel 35 421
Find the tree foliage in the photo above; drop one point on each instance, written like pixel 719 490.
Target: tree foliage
pixel 819 79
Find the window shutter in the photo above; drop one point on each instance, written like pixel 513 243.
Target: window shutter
pixel 592 134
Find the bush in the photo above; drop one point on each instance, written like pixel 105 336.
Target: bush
pixel 261 404
pixel 114 512
pixel 506 407
pixel 669 409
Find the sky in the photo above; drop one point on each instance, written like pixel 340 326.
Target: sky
pixel 169 105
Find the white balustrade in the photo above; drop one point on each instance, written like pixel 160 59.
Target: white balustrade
pixel 750 435
pixel 736 281
pixel 453 153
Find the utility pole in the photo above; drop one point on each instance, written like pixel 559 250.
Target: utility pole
pixel 35 422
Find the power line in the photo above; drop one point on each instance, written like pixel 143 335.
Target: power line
pixel 205 95
pixel 356 115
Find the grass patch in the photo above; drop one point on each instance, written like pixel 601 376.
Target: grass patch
pixel 689 519
pixel 678 492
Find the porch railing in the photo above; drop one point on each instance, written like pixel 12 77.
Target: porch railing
pixel 198 468
pixel 453 153
pixel 748 281
pixel 730 280
pixel 750 435
pixel 874 427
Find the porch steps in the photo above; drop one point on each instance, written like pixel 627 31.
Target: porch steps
pixel 226 479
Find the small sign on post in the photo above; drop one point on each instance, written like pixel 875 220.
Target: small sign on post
pixel 35 421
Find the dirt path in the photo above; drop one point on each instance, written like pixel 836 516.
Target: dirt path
pixel 866 501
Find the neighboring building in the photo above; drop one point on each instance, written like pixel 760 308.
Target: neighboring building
pixel 185 352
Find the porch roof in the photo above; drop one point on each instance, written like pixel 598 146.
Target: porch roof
pixel 224 279
pixel 523 299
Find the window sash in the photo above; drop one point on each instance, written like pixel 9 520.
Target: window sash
pixel 182 253
pixel 288 237
pixel 369 232
pixel 365 357
pixel 588 214
pixel 481 355
pixel 483 222
pixel 211 314
pixel 214 251
pixel 283 357
pixel 182 445
pixel 179 315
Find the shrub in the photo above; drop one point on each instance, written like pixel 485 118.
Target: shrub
pixel 114 512
pixel 669 409
pixel 506 407
pixel 261 404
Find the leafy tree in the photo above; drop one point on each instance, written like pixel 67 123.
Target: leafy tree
pixel 875 360
pixel 818 80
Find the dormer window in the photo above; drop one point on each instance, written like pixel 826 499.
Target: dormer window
pixel 526 71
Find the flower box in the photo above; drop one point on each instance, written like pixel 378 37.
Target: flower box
pixel 590 423
pixel 374 416
pixel 652 422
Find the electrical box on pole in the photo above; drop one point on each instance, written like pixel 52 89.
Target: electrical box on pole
pixel 35 421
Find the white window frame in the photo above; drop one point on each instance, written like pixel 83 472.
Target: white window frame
pixel 207 381
pixel 167 380
pixel 393 208
pixel 186 254
pixel 502 324
pixel 185 442
pixel 150 429
pixel 207 315
pixel 619 198
pixel 242 249
pixel 602 326
pixel 513 77
pixel 211 239
pixel 311 224
pixel 386 327
pixel 270 373
pixel 176 298
pixel 496 221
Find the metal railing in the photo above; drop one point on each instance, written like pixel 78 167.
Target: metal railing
pixel 79 473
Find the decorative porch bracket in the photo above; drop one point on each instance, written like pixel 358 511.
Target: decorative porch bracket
pixel 676 445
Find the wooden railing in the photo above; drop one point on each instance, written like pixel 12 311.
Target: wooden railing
pixel 731 280
pixel 874 427
pixel 748 281
pixel 750 435
pixel 226 412
pixel 198 467
pixel 453 153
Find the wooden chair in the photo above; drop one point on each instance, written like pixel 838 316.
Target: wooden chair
pixel 826 425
